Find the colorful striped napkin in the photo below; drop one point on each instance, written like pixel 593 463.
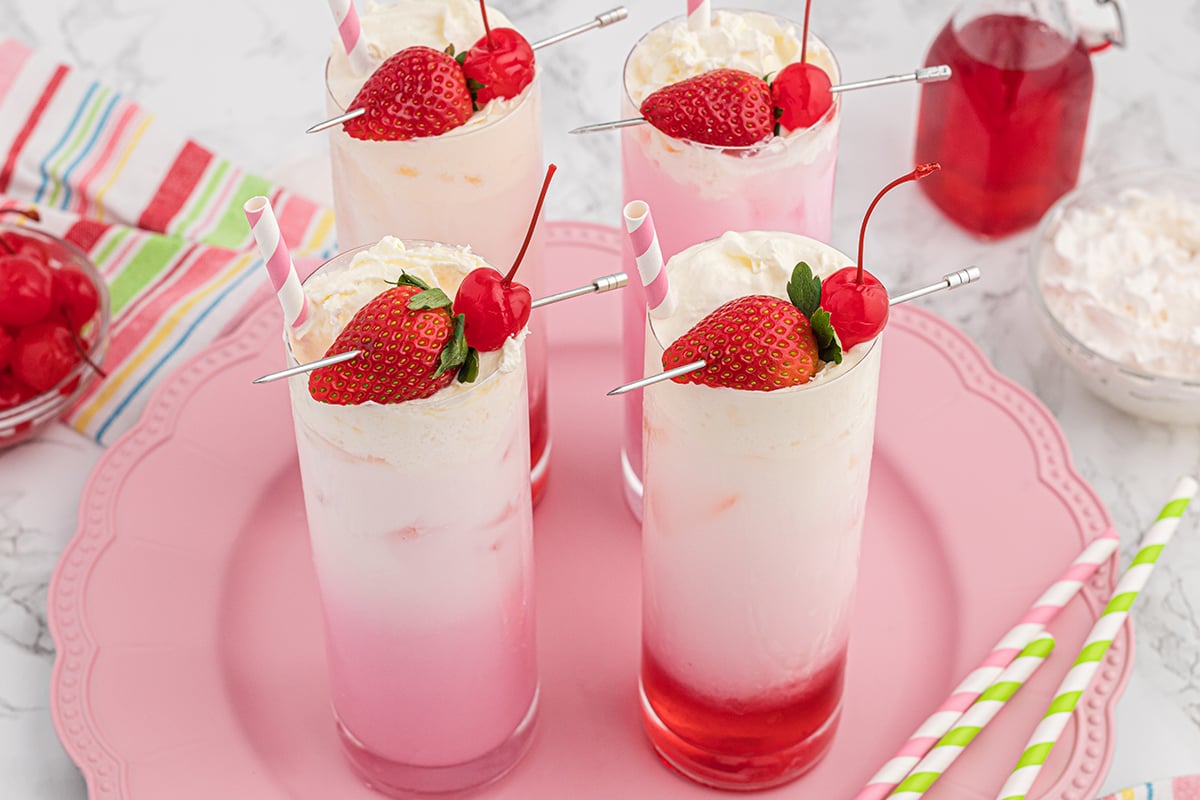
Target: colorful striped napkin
pixel 1173 789
pixel 159 215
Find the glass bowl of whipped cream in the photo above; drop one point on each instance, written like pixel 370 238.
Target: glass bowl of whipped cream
pixel 1115 273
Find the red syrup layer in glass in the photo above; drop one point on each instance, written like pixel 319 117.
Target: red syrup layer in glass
pixel 1008 128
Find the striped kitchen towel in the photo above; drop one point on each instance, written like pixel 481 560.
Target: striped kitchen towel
pixel 159 215
pixel 1172 789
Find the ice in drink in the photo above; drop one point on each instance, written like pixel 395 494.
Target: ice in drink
pixel 470 185
pixel 421 526
pixel 754 505
pixel 698 191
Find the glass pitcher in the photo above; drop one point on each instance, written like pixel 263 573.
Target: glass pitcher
pixel 1008 127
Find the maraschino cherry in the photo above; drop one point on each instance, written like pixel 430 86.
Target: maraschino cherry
pixel 26 282
pixel 494 305
pixel 500 64
pixel 800 92
pixel 855 299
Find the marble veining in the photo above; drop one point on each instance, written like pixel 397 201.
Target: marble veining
pixel 244 77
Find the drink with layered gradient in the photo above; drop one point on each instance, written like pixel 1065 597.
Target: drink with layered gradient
pixel 700 191
pixel 470 185
pixel 753 512
pixel 421 527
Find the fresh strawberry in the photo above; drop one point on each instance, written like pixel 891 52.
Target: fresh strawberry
pixel 500 64
pixel 417 92
pixel 757 343
pixel 722 107
pixel 410 348
pixel 760 343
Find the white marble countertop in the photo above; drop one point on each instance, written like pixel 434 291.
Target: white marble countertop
pixel 188 62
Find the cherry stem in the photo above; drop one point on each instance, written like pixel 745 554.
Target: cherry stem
pixel 28 213
pixel 79 344
pixel 804 37
pixel 486 27
pixel 537 211
pixel 921 171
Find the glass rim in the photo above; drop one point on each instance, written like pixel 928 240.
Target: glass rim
pixel 347 256
pixel 462 130
pixel 808 132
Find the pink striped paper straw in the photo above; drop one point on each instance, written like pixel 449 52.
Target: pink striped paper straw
pixel 649 257
pixel 274 251
pixel 699 14
pixel 346 18
pixel 1030 626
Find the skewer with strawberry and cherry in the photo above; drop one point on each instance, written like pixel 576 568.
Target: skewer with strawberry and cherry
pixel 443 337
pixel 422 91
pixel 819 320
pixel 733 108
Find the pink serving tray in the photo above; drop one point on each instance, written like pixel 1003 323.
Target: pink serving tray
pixel 190 662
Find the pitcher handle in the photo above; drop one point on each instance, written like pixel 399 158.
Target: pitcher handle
pixel 1111 39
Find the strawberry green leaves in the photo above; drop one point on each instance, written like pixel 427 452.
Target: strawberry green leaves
pixel 804 290
pixel 430 298
pixel 827 342
pixel 409 280
pixel 456 350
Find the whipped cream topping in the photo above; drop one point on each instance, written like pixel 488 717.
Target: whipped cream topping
pixel 760 44
pixel 709 274
pixel 391 27
pixel 1124 279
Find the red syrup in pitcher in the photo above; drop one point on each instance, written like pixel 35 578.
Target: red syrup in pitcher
pixel 1008 127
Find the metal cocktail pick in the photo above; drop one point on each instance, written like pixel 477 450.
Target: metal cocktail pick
pixel 605 283
pixel 924 75
pixel 952 281
pixel 599 21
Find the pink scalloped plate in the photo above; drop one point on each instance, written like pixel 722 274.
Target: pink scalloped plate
pixel 190 661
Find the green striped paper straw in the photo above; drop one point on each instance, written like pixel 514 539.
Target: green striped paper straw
pixel 1021 780
pixel 977 717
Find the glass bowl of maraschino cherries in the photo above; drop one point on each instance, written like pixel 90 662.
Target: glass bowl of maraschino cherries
pixel 54 318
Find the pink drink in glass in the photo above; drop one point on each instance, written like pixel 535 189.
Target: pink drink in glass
pixel 475 185
pixel 753 511
pixel 698 192
pixel 421 526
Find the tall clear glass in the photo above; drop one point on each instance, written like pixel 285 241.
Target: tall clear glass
pixel 753 512
pixel 421 526
pixel 698 192
pixel 475 185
